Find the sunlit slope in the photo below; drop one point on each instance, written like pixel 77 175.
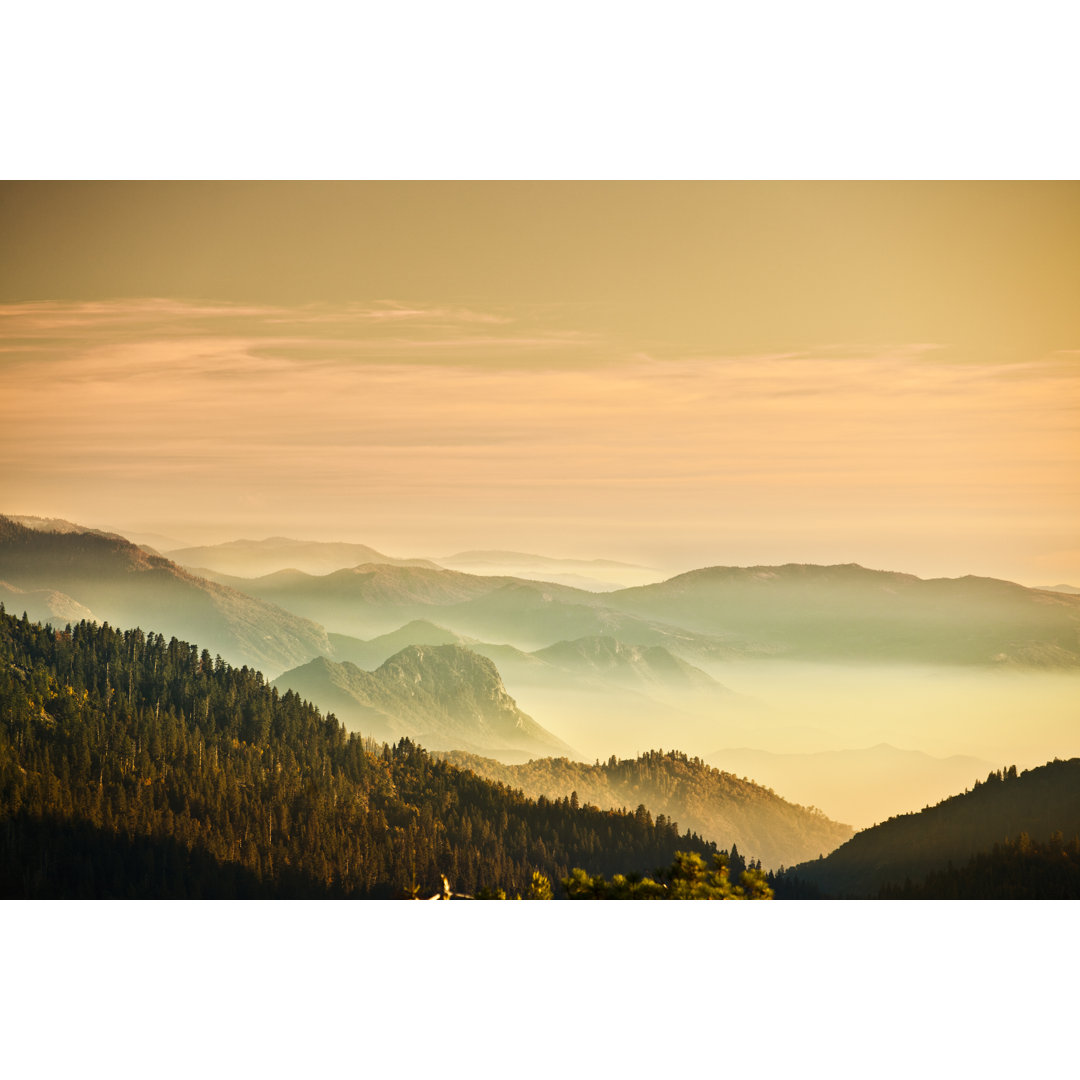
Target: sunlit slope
pixel 716 805
pixel 851 613
pixel 126 586
pixel 444 697
pixel 255 558
pixel 1038 802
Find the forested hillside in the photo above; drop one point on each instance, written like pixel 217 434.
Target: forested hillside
pixel 732 812
pixel 1038 803
pixel 1020 869
pixel 135 766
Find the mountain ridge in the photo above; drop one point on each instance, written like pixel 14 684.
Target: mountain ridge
pixel 1037 802
pixel 716 805
pixel 128 586
pixel 442 696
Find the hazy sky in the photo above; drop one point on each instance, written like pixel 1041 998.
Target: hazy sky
pixel 681 374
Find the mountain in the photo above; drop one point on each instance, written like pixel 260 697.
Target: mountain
pixel 862 786
pixel 1038 802
pixel 596 575
pixel 610 694
pixel 56 525
pixel 370 654
pixel 129 768
pixel 1072 590
pixel 370 600
pixel 716 805
pixel 533 615
pixel 851 613
pixel 127 586
pixel 638 666
pixel 445 697
pixel 44 605
pixel 256 558
pixel 367 600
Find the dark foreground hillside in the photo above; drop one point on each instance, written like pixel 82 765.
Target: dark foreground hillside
pixel 1020 869
pixel 1037 804
pixel 132 766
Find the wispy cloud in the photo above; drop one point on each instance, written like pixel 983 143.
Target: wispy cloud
pixel 423 413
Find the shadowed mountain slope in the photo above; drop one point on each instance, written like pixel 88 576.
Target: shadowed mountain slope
pixel 1038 802
pixel 851 613
pixel 444 697
pixel 127 586
pixel 716 805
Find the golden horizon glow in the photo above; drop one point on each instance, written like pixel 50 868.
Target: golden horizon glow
pixel 631 418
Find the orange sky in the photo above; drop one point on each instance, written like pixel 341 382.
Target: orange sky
pixel 676 374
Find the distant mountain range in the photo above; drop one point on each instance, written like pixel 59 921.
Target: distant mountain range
pixel 256 558
pixel 1038 802
pixel 851 613
pixel 595 575
pixel 598 661
pixel 716 805
pixel 67 574
pixel 441 696
pixel 817 613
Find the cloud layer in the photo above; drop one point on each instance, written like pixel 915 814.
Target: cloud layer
pixel 430 427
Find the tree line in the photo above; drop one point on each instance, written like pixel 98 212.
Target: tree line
pixel 132 765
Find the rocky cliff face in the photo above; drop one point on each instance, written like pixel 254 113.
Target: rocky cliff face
pixel 442 696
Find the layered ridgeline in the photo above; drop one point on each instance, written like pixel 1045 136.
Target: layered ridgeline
pixel 255 558
pixel 597 575
pixel 132 766
pixel 851 613
pixel 717 805
pixel 442 696
pixel 370 600
pixel 65 576
pixel 1037 803
pixel 603 693
pixel 794 612
pixel 597 662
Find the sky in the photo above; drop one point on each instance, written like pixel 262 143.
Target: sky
pixel 675 374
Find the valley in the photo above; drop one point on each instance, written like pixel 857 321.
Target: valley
pixel 790 699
